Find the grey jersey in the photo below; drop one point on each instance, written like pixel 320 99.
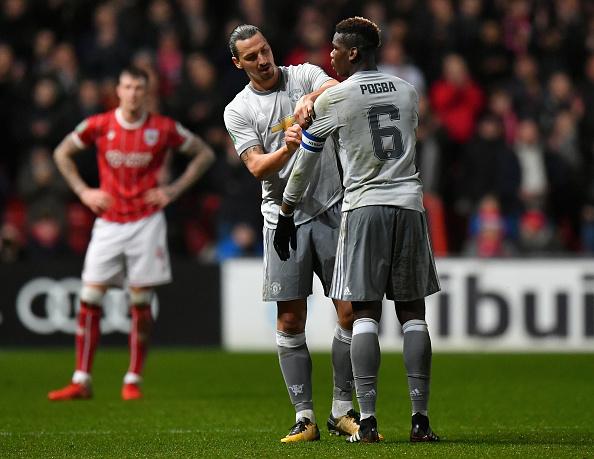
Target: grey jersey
pixel 260 118
pixel 375 116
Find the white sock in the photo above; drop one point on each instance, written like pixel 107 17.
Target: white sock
pixel 366 415
pixel 309 414
pixel 132 378
pixel 81 377
pixel 341 407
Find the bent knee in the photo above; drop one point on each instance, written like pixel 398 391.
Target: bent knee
pixel 344 312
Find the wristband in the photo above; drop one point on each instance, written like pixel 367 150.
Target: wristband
pixel 284 214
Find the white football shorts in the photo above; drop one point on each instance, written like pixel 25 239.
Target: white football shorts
pixel 134 251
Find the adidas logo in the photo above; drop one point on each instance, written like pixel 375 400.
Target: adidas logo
pixel 415 393
pixel 372 393
pixel 347 291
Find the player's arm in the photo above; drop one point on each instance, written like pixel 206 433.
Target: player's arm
pixel 307 158
pixel 202 158
pixel 304 110
pixel 312 144
pixel 94 198
pixel 262 164
pixel 286 232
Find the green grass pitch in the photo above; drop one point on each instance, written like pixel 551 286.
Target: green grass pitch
pixel 215 404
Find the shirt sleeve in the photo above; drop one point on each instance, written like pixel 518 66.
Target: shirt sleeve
pixel 312 143
pixel 87 131
pixel 179 137
pixel 415 110
pixel 241 132
pixel 313 76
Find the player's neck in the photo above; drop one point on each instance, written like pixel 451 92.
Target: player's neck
pixel 130 119
pixel 132 116
pixel 363 66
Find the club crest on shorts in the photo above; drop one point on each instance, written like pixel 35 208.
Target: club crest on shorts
pixel 151 136
pixel 275 288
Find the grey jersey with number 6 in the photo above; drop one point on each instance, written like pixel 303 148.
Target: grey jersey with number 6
pixel 375 116
pixel 260 118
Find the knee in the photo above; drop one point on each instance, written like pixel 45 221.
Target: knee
pixel 92 295
pixel 291 316
pixel 344 311
pixel 291 323
pixel 410 310
pixel 141 297
pixel 367 310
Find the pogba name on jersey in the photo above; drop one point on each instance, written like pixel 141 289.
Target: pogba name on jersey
pixel 116 158
pixel 374 88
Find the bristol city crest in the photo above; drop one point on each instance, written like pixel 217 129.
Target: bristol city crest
pixel 151 136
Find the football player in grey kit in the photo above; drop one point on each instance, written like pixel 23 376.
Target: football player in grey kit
pixel 263 121
pixel 383 246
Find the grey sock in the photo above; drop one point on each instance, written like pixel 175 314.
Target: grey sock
pixel 365 355
pixel 295 363
pixel 417 360
pixel 341 364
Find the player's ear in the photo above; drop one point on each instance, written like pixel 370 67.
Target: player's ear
pixel 236 62
pixel 354 55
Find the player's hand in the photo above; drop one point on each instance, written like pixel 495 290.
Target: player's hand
pixel 304 112
pixel 293 138
pixel 285 234
pixel 159 197
pixel 96 199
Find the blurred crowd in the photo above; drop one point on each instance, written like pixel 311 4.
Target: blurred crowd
pixel 505 138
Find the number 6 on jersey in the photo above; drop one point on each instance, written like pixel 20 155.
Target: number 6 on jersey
pixel 387 140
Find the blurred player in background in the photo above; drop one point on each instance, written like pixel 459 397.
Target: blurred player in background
pixel 129 238
pixel 384 245
pixel 264 123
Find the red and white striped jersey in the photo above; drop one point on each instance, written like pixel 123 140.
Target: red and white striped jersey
pixel 130 156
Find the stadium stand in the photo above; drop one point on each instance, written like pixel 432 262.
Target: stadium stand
pixel 504 86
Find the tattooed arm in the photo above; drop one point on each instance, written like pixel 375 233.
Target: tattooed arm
pixel 262 164
pixel 94 198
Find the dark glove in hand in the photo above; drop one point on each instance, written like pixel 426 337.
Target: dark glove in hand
pixel 285 233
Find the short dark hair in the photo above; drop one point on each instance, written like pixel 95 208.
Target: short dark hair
pixel 358 32
pixel 241 32
pixel 135 72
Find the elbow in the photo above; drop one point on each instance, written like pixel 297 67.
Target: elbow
pixel 259 173
pixel 262 172
pixel 58 155
pixel 258 169
pixel 209 156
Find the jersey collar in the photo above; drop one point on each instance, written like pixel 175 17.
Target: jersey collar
pixel 125 124
pixel 362 73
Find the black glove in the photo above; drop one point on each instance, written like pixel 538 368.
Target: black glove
pixel 285 233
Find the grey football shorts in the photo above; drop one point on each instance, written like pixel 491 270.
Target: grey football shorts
pixel 383 250
pixel 316 251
